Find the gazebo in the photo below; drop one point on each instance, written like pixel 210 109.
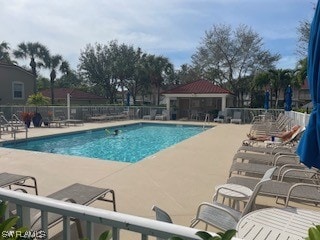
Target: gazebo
pixel 195 99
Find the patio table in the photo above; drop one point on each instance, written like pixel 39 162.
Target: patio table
pixel 277 223
pixel 233 192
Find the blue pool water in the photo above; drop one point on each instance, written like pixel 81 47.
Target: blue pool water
pixel 133 143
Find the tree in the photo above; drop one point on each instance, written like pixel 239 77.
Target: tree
pixel 186 74
pixel 114 66
pixel 225 56
pixel 261 83
pixel 158 69
pixel 303 38
pixel 300 73
pixel 38 99
pixel 4 53
pixel 279 80
pixel 69 80
pixel 55 63
pixel 36 52
pixel 95 68
pixel 123 59
pixel 274 80
pixel 244 85
pixel 304 34
pixel 43 83
pixel 140 83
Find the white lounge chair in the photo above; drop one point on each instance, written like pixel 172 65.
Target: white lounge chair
pixel 221 117
pixel 225 217
pixel 302 192
pixel 163 116
pixel 151 116
pixel 236 118
pixel 286 157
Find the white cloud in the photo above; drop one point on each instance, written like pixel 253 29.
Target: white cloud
pixel 164 27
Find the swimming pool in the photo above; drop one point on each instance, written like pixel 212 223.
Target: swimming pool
pixel 133 143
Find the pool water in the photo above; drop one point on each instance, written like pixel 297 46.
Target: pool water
pixel 133 143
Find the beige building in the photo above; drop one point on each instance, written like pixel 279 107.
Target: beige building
pixel 16 84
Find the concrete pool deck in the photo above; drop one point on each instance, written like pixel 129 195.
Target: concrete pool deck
pixel 176 179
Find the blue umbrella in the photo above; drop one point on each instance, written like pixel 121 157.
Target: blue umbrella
pixel 288 99
pixel 266 100
pixel 309 146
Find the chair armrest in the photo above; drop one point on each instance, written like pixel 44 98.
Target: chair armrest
pixel 282 169
pixel 278 154
pixel 215 196
pixel 284 147
pixel 294 157
pixel 314 173
pixel 316 186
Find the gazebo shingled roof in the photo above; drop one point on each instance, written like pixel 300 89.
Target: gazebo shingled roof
pixel 197 87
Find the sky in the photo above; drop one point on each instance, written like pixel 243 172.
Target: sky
pixel 171 28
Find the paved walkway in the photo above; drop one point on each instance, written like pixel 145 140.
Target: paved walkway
pixel 176 179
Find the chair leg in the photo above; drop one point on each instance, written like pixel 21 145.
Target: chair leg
pixel 194 222
pixel 206 228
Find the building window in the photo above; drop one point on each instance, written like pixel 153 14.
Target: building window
pixel 18 90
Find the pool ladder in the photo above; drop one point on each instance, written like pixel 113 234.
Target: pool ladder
pixel 206 120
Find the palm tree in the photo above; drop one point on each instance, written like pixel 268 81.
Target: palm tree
pixel 52 63
pixel 159 69
pixel 4 53
pixel 300 73
pixel 36 52
pixel 280 79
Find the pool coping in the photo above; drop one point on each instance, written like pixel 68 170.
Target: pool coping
pixel 36 138
pixel 176 179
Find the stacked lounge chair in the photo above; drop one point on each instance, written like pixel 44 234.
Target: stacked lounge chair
pixel 225 217
pixel 252 163
pixel 299 191
pixel 268 127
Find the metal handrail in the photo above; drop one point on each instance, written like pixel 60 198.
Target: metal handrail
pixel 117 221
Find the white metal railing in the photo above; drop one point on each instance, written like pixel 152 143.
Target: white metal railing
pixel 114 220
pixel 299 118
pixel 80 112
pixel 247 114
